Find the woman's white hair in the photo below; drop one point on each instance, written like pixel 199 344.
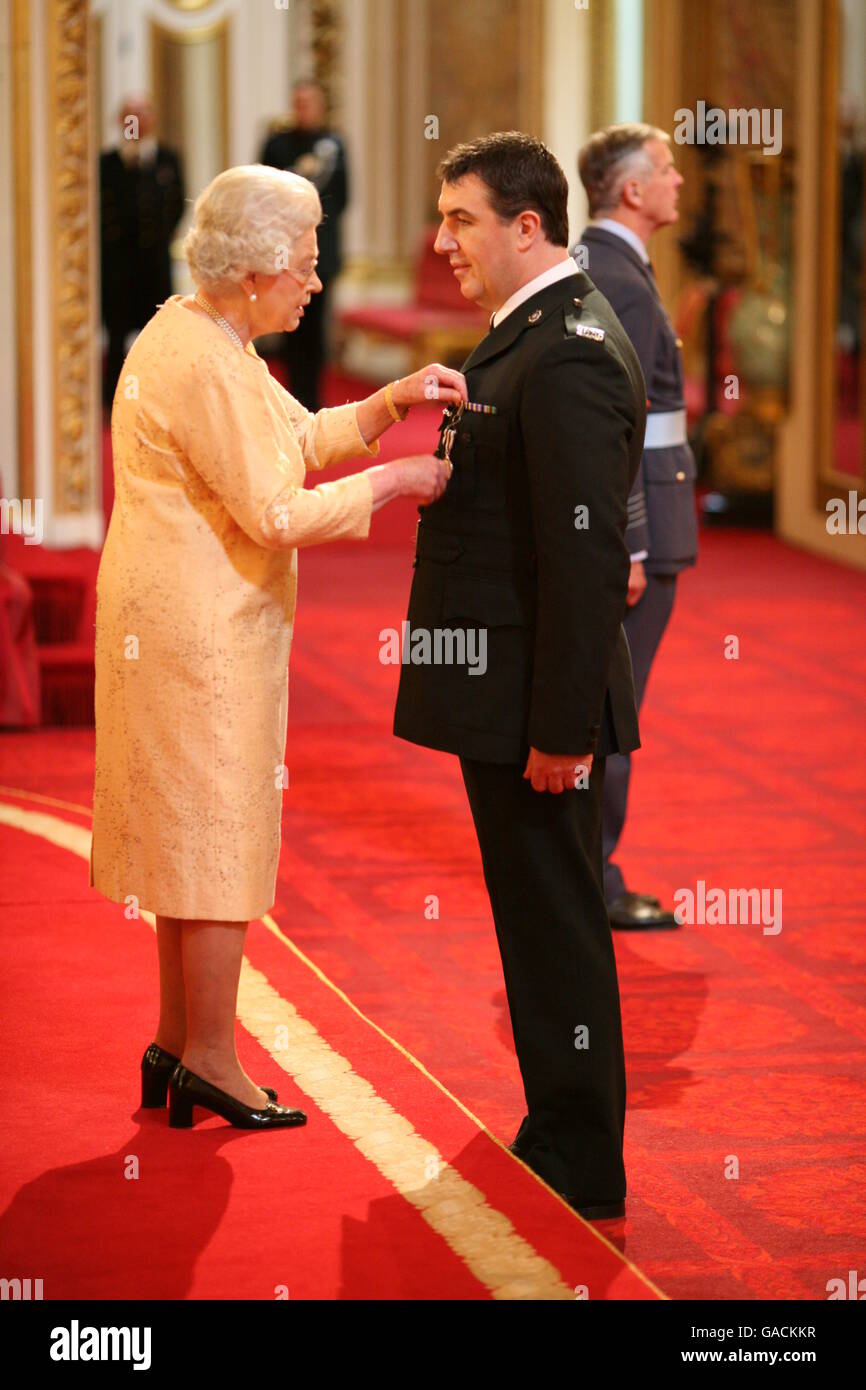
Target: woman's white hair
pixel 248 219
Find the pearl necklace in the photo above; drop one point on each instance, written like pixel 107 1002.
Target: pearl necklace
pixel 218 318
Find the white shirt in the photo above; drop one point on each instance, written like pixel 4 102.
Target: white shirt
pixel 141 152
pixel 610 224
pixel 541 282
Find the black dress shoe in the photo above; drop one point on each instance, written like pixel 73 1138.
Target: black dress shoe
pixel 157 1066
pixel 639 912
pixel 186 1090
pixel 596 1211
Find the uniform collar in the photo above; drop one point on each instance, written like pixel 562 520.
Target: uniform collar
pixel 598 234
pixel 533 311
pixel 532 287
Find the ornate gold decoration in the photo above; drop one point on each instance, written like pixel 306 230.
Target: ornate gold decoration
pixel 602 88
pixel 20 35
pixel 327 40
pixel 72 192
pixel 189 5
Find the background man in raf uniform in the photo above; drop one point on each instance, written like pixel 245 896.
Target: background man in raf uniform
pixel 308 147
pixel 633 185
pixel 527 545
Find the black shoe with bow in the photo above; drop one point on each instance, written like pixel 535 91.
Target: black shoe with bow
pixel 186 1091
pixel 157 1066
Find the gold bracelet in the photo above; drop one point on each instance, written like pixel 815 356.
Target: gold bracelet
pixel 389 401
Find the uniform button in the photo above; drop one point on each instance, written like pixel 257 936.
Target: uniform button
pixel 681 477
pixel 465 437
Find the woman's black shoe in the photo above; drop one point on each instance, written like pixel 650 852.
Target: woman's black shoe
pixel 157 1066
pixel 186 1090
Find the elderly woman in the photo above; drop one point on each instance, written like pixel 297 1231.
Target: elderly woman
pixel 195 602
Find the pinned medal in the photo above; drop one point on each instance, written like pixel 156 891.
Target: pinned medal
pixel 535 316
pixel 583 330
pixel 451 419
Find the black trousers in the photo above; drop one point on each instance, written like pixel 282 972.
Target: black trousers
pixel 304 352
pixel 644 625
pixel 542 865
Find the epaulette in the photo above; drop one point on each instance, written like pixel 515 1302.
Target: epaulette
pixel 575 329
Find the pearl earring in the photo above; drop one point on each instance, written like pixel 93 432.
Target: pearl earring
pixel 253 296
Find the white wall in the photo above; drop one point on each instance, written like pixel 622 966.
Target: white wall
pixel 566 96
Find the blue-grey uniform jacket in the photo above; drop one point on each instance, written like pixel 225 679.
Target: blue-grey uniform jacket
pixel 661 506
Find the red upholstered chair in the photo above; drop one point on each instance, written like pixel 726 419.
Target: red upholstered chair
pixel 20 695
pixel 438 325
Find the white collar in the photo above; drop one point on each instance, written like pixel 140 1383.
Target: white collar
pixel 140 152
pixel 610 224
pixel 541 282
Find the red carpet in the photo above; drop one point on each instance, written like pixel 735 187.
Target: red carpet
pixel 746 1052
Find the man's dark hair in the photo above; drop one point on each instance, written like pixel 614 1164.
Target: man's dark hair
pixel 520 173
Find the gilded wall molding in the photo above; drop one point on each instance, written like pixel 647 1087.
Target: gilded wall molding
pixel 22 163
pixel 72 200
pixel 327 40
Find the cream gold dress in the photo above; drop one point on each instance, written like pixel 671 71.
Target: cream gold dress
pixel 195 603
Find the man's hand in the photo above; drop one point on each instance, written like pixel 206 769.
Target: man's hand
pixel 636 583
pixel 556 772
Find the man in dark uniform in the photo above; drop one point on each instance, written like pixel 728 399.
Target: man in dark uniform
pixel 309 148
pixel 141 203
pixel 523 561
pixel 632 184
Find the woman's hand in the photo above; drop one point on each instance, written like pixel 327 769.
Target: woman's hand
pixel 423 476
pixel 433 383
pixel 420 475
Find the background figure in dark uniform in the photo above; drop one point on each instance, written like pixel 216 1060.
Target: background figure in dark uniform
pixel 633 186
pixel 523 559
pixel 310 149
pixel 141 203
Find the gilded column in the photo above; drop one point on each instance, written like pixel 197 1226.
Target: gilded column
pixel 71 172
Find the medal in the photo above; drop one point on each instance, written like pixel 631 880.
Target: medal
pixel 449 433
pixel 452 417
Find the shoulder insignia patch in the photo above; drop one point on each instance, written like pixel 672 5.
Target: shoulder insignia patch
pixel 584 330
